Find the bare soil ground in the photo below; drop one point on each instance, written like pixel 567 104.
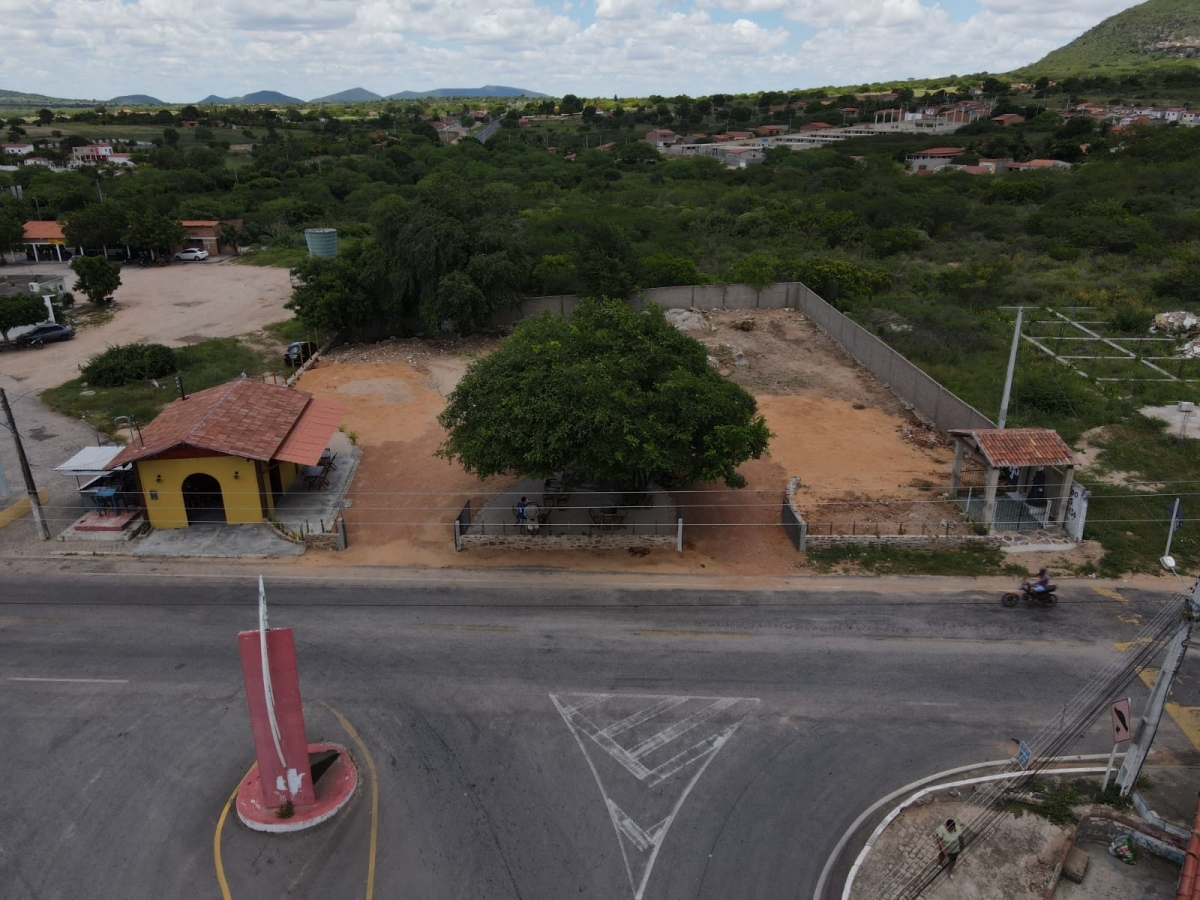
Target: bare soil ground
pixel 835 426
pixel 183 303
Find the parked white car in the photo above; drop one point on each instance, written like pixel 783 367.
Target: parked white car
pixel 191 253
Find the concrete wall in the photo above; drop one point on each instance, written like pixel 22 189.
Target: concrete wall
pixel 932 401
pixel 809 541
pixel 240 495
pixel 926 396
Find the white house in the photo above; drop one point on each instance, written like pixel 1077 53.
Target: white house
pixel 17 149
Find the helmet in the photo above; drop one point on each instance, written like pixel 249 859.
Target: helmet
pixel 1042 570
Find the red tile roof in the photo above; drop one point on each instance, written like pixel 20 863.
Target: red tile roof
pixel 1014 447
pixel 43 231
pixel 244 418
pixel 937 152
pixel 310 435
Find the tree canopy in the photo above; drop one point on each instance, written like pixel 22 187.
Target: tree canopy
pixel 608 395
pixel 97 278
pixel 17 310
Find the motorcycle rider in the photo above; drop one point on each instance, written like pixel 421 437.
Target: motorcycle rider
pixel 1039 584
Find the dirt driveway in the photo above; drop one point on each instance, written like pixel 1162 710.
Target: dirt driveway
pixel 835 426
pixel 183 303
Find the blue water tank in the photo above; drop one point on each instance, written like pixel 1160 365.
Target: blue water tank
pixel 321 241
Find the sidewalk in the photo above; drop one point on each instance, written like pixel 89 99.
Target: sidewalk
pixel 1019 857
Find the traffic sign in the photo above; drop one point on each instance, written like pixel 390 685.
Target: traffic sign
pixel 1120 720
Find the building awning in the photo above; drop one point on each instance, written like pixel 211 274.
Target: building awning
pixel 310 435
pixel 1011 448
pixel 89 462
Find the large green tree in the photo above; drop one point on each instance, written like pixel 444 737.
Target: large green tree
pixel 610 394
pixel 454 253
pixel 98 225
pixel 150 230
pixel 96 277
pixel 18 310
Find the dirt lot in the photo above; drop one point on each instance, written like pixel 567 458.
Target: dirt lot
pixel 836 427
pixel 183 303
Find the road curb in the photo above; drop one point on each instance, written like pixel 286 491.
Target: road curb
pixel 913 787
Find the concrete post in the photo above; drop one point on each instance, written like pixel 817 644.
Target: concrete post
pixel 960 451
pixel 1064 497
pixel 989 496
pixel 1139 747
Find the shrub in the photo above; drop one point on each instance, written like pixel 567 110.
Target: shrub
pixel 129 363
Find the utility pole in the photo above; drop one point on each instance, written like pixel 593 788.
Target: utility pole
pixel 1012 367
pixel 1139 747
pixel 35 502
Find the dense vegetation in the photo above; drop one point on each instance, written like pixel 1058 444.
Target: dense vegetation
pixel 1155 30
pixel 609 395
pixel 433 233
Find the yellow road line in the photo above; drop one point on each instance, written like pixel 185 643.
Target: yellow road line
pixel 1186 717
pixel 18 509
pixel 345 723
pixel 225 895
pixel 491 628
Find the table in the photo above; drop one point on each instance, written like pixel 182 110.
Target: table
pixel 105 498
pixel 315 477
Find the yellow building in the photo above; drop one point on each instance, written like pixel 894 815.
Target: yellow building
pixel 225 454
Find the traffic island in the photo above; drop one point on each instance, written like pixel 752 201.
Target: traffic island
pixel 334 781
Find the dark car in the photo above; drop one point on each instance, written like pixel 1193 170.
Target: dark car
pixel 45 334
pixel 298 353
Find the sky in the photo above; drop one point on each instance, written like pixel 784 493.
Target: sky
pixel 184 50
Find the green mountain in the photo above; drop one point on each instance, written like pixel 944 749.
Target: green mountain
pixel 488 90
pixel 136 100
pixel 354 95
pixel 18 99
pixel 1152 31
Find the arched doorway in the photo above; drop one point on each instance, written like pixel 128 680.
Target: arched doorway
pixel 202 499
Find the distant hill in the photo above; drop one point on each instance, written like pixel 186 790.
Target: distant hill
pixel 137 100
pixel 354 95
pixel 488 90
pixel 1155 30
pixel 258 97
pixel 20 98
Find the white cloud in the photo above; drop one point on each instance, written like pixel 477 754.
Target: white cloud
pixel 178 50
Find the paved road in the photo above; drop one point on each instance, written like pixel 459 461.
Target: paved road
pixel 488 130
pixel 530 742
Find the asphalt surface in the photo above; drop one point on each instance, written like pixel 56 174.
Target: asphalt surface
pixel 735 734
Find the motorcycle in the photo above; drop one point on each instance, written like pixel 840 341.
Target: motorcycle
pixel 1032 597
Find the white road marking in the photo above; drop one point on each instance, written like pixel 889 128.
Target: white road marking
pixel 680 728
pixel 644 843
pixel 76 680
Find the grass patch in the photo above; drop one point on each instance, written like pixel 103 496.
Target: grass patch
pixel 201 366
pixel 1056 799
pixel 290 330
pixel 1131 522
pixel 281 257
pixel 969 560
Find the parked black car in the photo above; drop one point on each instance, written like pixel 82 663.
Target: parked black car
pixel 298 353
pixel 45 334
